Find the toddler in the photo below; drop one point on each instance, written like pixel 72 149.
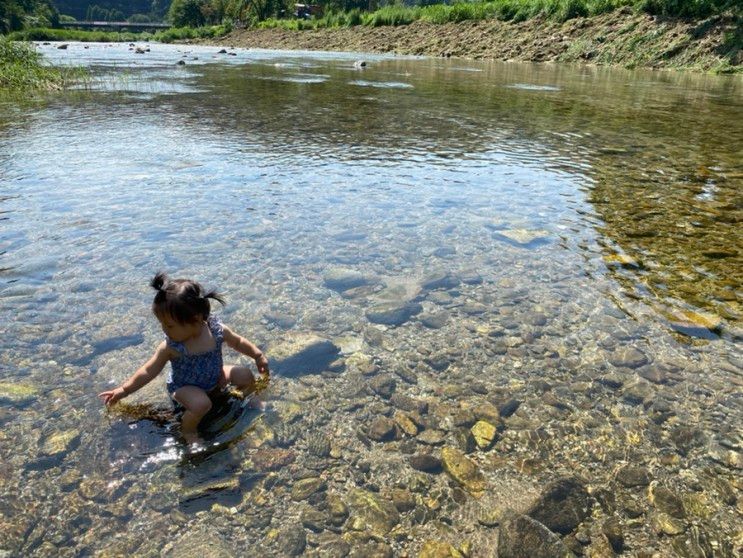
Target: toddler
pixel 193 346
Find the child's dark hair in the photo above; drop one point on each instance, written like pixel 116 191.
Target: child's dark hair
pixel 182 299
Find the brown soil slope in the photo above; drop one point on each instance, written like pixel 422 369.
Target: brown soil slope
pixel 620 38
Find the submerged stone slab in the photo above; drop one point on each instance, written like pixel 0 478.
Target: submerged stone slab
pixel 524 238
pixel 393 313
pixel 342 279
pixel 302 353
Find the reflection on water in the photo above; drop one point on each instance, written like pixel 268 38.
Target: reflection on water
pixel 559 244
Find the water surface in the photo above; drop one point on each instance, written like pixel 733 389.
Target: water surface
pixel 572 236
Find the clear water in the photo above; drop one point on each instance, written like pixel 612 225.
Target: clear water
pixel 256 173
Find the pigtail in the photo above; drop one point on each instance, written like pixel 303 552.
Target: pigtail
pixel 158 281
pixel 215 296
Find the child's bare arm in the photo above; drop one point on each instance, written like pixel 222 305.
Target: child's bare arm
pixel 141 377
pixel 242 345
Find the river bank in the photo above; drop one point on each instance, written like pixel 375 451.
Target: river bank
pixel 622 38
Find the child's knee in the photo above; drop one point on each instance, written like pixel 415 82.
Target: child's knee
pixel 201 407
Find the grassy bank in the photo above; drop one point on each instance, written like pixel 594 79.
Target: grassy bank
pixel 622 37
pixel 22 69
pixel 505 10
pixel 168 36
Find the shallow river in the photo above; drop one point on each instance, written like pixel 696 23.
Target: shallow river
pixel 473 280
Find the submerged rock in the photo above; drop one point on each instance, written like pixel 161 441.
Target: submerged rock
pixel 666 501
pixel 562 506
pixel 628 357
pixel 425 462
pixel 382 429
pixel 632 475
pixel 372 513
pixel 272 459
pixel 439 549
pixel 484 434
pixel 305 488
pixel 17 392
pixel 60 442
pixel 393 313
pixel 340 279
pixel 525 238
pixel 525 537
pixel 695 324
pixel 463 470
pixel 292 540
pixel 197 544
pixel 302 353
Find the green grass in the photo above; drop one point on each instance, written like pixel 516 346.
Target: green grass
pixel 506 10
pixel 22 69
pixel 167 36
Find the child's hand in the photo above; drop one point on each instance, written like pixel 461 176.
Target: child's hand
pixel 112 396
pixel 262 363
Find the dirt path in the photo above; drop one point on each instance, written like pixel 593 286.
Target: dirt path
pixel 620 38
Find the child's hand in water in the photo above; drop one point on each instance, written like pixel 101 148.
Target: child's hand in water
pixel 112 396
pixel 262 363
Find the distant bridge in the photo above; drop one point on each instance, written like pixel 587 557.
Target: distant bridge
pixel 114 25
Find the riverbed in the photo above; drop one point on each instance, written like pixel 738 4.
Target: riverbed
pixel 485 289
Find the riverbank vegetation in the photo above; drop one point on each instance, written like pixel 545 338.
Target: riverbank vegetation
pixel 22 69
pixel 348 13
pixel 167 36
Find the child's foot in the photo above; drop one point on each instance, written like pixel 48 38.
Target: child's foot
pixel 192 438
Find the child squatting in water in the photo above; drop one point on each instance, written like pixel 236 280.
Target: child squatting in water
pixel 193 346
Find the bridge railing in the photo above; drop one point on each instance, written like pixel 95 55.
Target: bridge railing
pixel 114 25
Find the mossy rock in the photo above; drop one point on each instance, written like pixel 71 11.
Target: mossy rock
pixel 17 392
pixel 464 471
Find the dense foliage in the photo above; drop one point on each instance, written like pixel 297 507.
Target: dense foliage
pixel 16 14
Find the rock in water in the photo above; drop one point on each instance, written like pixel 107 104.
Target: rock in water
pixel 393 313
pixel 524 238
pixel 339 279
pixel 463 470
pixel 484 434
pixel 372 513
pixel 197 544
pixel 524 537
pixel 562 505
pixel 302 353
pixel 17 393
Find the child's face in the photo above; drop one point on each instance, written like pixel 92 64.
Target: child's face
pixel 180 332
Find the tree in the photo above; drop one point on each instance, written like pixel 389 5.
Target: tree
pixel 187 13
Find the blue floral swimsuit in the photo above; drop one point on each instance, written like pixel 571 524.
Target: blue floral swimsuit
pixel 201 370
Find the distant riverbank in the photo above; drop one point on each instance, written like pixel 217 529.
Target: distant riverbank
pixel 622 38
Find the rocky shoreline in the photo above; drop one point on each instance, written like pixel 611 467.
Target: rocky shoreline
pixel 620 38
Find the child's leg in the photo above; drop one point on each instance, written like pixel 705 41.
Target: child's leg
pixel 197 404
pixel 241 377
